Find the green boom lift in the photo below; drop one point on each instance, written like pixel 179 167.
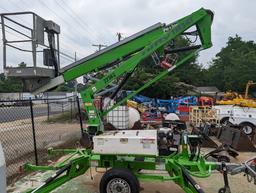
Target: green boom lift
pixel 123 171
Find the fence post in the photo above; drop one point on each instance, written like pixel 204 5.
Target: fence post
pixel 71 106
pixel 48 108
pixel 33 130
pixel 79 112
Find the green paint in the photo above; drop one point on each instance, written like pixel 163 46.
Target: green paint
pixel 201 19
pixel 82 160
pixel 138 49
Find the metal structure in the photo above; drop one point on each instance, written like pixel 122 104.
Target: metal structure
pixel 233 98
pixel 121 60
pixel 126 56
pixel 35 34
pixel 199 115
pixel 235 137
pixel 248 85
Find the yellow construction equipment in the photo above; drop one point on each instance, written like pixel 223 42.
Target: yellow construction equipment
pixel 249 83
pixel 233 98
pixel 140 107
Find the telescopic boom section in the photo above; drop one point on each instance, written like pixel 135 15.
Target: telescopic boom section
pixel 201 19
pixel 128 54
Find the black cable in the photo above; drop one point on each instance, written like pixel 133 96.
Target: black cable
pixel 75 19
pixel 82 20
pixel 65 21
pixel 192 42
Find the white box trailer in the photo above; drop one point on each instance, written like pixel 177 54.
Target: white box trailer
pixel 135 142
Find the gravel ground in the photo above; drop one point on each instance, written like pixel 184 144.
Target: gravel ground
pixel 84 184
pixel 17 140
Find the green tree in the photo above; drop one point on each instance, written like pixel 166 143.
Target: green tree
pixel 10 84
pixel 234 65
pixel 189 73
pixel 22 65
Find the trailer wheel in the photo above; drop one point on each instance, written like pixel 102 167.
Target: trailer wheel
pixel 119 181
pixel 247 128
pixel 222 190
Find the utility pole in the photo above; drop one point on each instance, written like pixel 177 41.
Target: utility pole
pixel 99 46
pixel 119 36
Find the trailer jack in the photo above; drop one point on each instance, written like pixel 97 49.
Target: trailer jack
pixel 224 171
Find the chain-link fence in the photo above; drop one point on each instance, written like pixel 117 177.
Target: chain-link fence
pixel 29 127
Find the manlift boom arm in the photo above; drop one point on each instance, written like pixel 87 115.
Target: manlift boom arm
pixel 128 53
pixel 126 56
pixel 202 19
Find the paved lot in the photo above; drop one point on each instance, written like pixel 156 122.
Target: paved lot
pixel 23 112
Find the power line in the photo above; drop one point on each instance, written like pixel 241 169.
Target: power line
pixel 67 58
pixel 71 38
pixel 70 58
pixel 82 20
pixel 19 35
pixel 65 21
pixel 75 19
pixel 66 34
pixel 77 16
pixel 11 33
pixel 53 12
pixel 21 20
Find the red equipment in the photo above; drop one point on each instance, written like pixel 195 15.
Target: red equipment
pixel 152 115
pixel 205 101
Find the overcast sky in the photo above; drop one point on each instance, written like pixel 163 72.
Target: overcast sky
pixel 87 22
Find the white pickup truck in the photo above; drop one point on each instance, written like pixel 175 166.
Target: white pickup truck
pixel 243 116
pixel 224 112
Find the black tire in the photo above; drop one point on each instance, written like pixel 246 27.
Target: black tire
pixel 248 128
pixel 115 180
pixel 222 190
pixel 224 121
